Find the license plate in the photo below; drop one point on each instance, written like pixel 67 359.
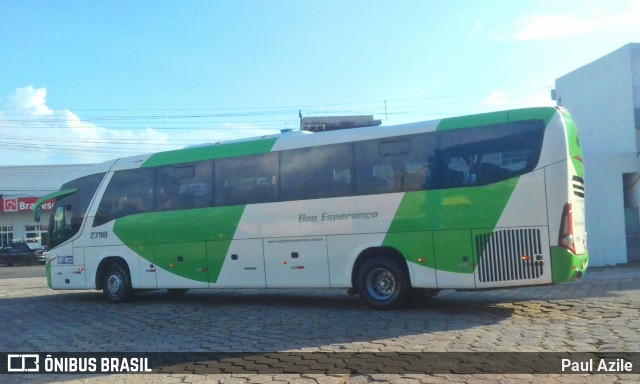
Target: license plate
pixel 65 259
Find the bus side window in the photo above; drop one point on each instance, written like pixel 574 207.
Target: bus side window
pixel 129 192
pixel 489 154
pixel 246 180
pixel 185 186
pixel 317 172
pixel 395 165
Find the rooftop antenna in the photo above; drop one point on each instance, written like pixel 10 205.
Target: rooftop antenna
pixel 386 117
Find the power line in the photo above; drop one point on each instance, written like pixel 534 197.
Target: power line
pixel 105 127
pixel 161 113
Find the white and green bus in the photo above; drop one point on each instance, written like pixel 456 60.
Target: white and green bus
pixel 492 200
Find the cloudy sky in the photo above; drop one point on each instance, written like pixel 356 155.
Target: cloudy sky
pixel 86 81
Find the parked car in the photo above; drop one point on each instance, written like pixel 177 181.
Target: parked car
pixel 22 253
pixel 41 258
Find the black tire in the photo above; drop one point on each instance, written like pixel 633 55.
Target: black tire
pixel 382 283
pixel 116 284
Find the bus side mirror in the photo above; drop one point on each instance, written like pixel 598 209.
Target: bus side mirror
pixel 38 213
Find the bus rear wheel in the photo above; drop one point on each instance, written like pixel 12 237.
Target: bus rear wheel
pixel 382 283
pixel 116 284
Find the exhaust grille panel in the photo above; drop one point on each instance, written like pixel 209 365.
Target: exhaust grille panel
pixel 578 186
pixel 510 255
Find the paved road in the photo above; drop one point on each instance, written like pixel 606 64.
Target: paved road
pixel 597 314
pixel 20 271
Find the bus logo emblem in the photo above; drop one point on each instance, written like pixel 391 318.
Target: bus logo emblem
pixel 23 363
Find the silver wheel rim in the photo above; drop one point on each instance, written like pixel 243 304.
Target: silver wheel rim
pixel 381 284
pixel 115 282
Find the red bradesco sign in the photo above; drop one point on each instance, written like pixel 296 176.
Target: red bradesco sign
pixel 22 204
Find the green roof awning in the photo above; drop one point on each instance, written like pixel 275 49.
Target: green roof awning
pixel 57 194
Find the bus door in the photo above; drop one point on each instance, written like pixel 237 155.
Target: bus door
pixel 67 262
pixel 455 263
pixel 296 262
pixel 67 268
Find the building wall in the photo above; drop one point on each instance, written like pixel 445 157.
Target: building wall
pixel 27 183
pixel 602 97
pixel 22 227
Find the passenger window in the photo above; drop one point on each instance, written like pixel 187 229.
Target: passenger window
pixel 400 165
pixel 394 148
pixel 185 186
pixel 485 155
pixel 129 192
pixel 317 172
pixel 246 180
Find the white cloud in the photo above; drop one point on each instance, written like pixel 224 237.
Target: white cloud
pixel 584 19
pixel 35 134
pixel 31 100
pixel 501 100
pixel 541 27
pixel 496 99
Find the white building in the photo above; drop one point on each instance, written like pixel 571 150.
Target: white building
pixel 20 188
pixel 604 100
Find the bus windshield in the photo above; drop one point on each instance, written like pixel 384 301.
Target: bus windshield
pixel 69 211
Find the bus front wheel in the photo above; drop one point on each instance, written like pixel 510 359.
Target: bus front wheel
pixel 382 283
pixel 117 284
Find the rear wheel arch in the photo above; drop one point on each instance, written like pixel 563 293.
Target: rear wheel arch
pixel 369 253
pixel 381 277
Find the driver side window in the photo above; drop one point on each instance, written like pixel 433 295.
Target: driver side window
pixel 129 192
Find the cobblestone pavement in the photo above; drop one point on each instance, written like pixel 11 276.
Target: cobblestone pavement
pixel 597 314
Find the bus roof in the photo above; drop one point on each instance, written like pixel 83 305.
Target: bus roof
pixel 301 139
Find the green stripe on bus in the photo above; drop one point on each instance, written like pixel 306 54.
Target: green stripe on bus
pixel 575 150
pixel 153 235
pixel 543 113
pixel 468 208
pixel 208 152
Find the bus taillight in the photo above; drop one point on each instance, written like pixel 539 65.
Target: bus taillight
pixel 565 239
